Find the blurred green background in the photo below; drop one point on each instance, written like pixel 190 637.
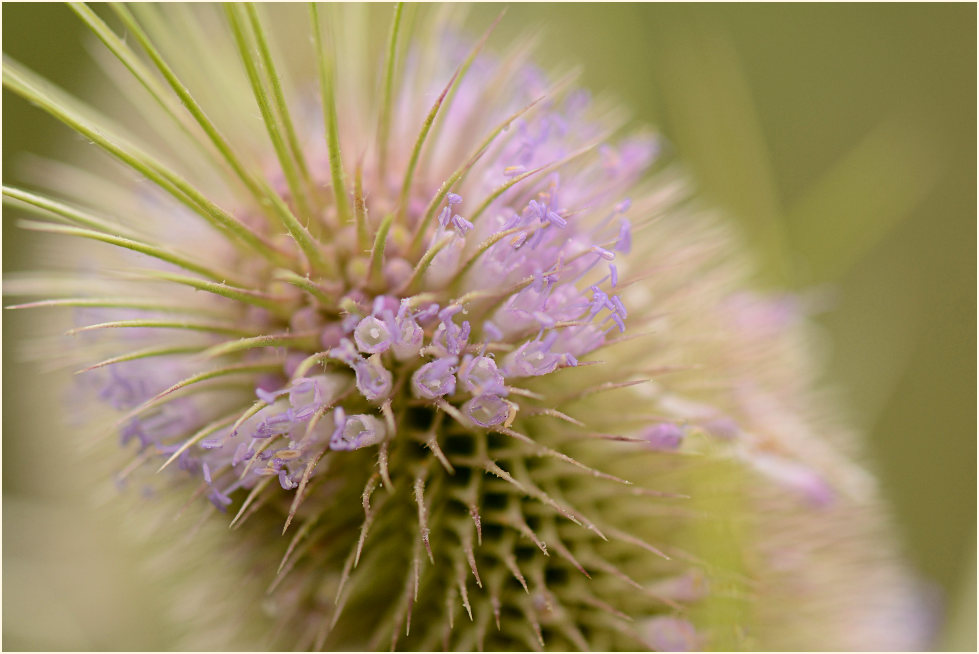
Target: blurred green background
pixel 840 136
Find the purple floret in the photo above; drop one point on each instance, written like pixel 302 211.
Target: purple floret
pixel 486 410
pixel 435 379
pixel 664 436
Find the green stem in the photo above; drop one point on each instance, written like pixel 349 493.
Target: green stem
pixel 277 95
pixel 129 244
pixel 272 125
pixel 384 125
pixel 360 208
pixel 259 191
pixel 325 65
pixel 60 106
pixel 377 253
pixel 46 206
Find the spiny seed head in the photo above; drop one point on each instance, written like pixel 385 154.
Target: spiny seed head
pixel 499 383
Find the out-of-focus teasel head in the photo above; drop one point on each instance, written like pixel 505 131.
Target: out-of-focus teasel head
pixel 460 360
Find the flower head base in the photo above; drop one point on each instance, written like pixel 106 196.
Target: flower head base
pixel 437 365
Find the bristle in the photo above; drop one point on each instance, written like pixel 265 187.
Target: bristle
pixel 368 515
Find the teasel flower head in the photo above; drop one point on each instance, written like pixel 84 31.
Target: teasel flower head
pixel 462 363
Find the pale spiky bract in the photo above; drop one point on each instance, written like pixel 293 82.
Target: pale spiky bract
pixel 458 370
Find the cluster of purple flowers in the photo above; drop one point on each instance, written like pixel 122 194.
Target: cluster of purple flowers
pixel 546 319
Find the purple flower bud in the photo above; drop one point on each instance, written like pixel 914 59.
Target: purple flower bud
pixel 450 336
pixel 460 223
pixel 599 300
pixel 624 242
pixel 357 431
pixel 538 209
pixel 453 198
pixel 665 436
pixel 427 314
pixel 619 307
pixel 273 425
pixel 666 633
pixel 445 216
pixel 285 481
pixel 408 339
pixel 219 499
pixel 306 412
pixel 435 379
pixel 532 359
pixel 372 336
pixel 486 410
pixel 373 379
pixel 480 376
pixel 556 220
pixel 617 319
